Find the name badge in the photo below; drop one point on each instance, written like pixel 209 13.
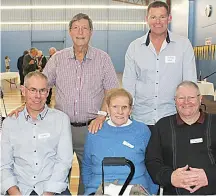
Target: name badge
pixel 128 144
pixel 197 140
pixel 170 59
pixel 43 135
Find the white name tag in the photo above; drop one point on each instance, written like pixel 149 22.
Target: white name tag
pixel 43 135
pixel 170 59
pixel 197 140
pixel 127 144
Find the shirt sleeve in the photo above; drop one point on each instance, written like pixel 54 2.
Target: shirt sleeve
pixel 129 74
pixel 8 179
pixel 110 78
pixel 87 162
pixel 160 173
pixel 59 179
pixel 50 70
pixel 189 64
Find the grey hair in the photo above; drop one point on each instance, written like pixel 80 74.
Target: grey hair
pixel 79 17
pixel 188 83
pixel 34 74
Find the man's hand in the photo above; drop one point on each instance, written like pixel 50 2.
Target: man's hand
pixel 14 190
pixel 17 111
pixel 31 62
pixel 48 193
pixel 181 178
pixel 96 124
pixel 202 179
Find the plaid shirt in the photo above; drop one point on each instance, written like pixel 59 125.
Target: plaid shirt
pixel 80 86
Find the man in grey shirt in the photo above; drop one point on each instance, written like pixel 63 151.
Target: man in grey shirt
pixel 36 147
pixel 30 62
pixel 155 64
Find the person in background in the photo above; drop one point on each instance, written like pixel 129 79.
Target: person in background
pixel 20 66
pixel 30 62
pixel 36 147
pixel 52 51
pixel 41 60
pixel 7 64
pixel 82 75
pixel 181 153
pixel 155 64
pixel 119 137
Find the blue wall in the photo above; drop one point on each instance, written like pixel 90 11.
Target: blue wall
pixel 115 43
pixel 205 27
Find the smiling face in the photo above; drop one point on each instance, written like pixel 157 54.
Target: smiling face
pixel 35 100
pixel 188 101
pixel 119 110
pixel 80 33
pixel 158 20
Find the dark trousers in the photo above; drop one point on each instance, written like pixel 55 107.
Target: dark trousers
pixel 66 192
pixel 21 77
pixel 49 97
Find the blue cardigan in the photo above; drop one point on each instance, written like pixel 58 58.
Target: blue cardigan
pixel 113 142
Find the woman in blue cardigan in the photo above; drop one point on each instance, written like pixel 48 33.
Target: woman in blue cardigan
pixel 119 137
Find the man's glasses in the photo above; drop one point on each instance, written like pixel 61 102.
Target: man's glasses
pixel 155 18
pixel 34 91
pixel 182 99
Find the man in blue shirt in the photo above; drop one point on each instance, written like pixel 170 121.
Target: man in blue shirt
pixel 36 147
pixel 155 64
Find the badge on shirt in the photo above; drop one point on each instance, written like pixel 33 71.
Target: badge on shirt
pixel 43 135
pixel 170 59
pixel 128 144
pixel 196 141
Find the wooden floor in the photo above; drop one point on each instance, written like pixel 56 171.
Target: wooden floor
pixel 13 99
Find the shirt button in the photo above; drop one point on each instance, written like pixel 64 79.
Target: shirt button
pixel 34 176
pixel 157 71
pixel 156 82
pixel 155 109
pixel 157 59
pixel 35 151
pixel 36 163
pixel 34 187
pixel 77 89
pixel 33 136
pixel 156 96
pixel 75 100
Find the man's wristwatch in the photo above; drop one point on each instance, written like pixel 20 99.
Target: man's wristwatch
pixel 103 113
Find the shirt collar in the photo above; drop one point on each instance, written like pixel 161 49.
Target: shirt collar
pixel 113 125
pixel 89 54
pixel 200 120
pixel 146 38
pixel 40 116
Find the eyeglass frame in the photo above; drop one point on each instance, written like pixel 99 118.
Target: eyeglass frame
pixel 155 18
pixel 34 91
pixel 188 98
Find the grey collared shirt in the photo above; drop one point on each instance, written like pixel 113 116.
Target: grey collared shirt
pixel 36 154
pixel 152 78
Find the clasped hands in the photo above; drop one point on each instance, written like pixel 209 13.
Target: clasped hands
pixel 189 178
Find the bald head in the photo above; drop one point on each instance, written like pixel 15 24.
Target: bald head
pixel 52 51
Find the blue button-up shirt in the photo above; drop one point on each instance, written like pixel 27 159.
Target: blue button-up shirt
pixel 152 78
pixel 36 154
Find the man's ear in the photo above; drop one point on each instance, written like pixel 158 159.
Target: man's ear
pixel 22 88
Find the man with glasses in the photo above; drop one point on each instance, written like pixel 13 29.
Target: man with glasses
pixel 155 64
pixel 36 147
pixel 181 153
